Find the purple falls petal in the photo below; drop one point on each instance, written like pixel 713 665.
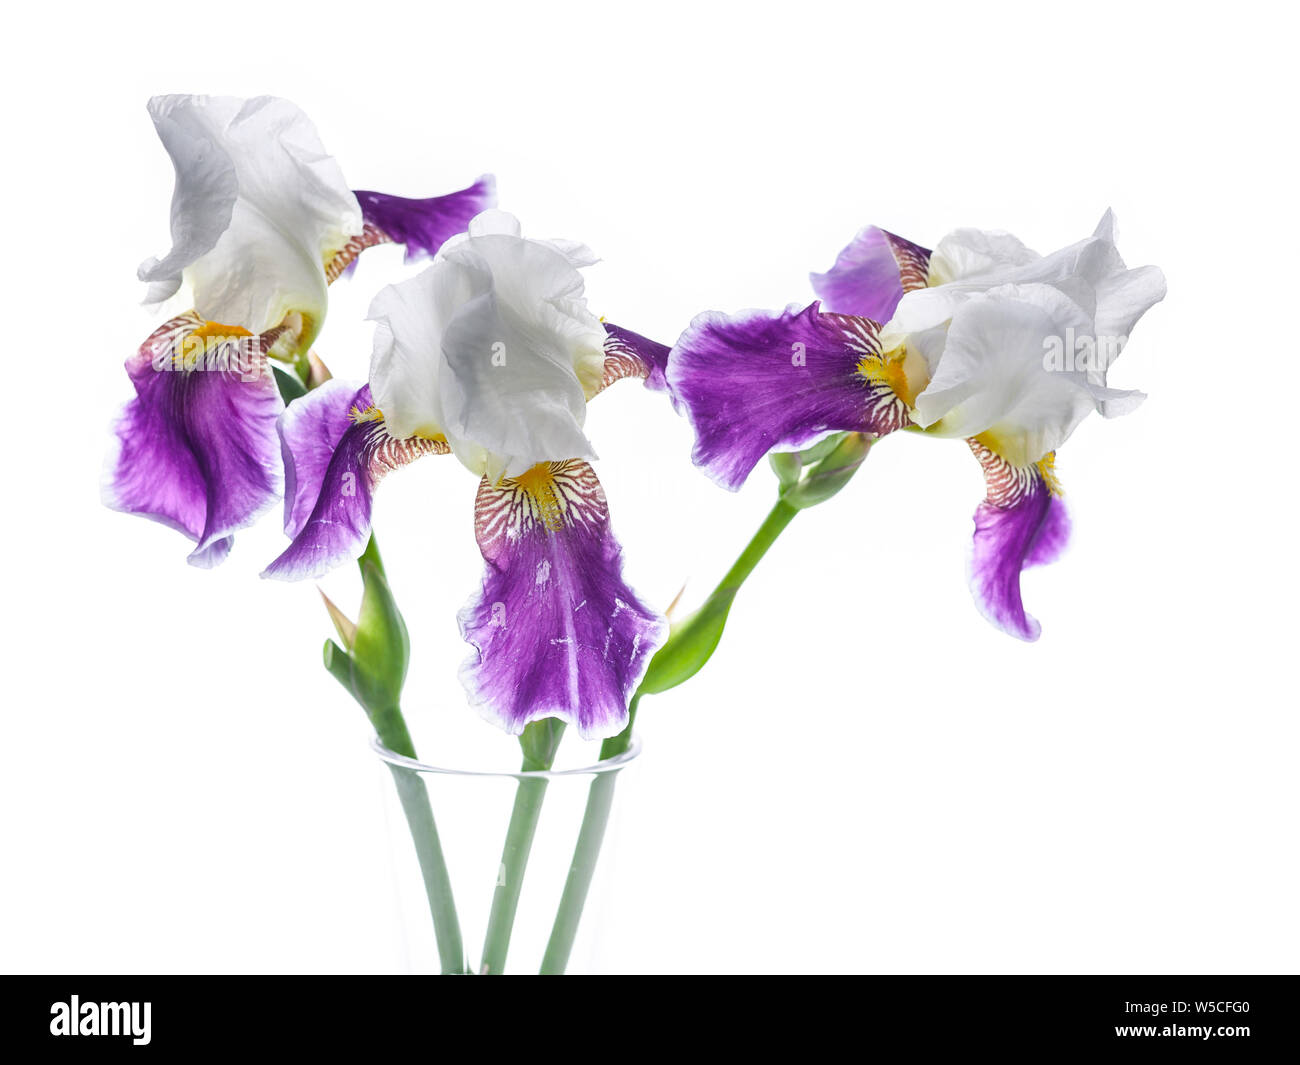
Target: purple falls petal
pixel 871 274
pixel 335 455
pixel 629 354
pixel 1022 522
pixel 310 429
pixel 762 380
pixel 423 226
pixel 196 447
pixel 556 631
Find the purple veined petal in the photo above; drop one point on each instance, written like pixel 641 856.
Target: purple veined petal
pixel 196 447
pixel 310 430
pixel 629 354
pixel 421 226
pixel 336 451
pixel 555 629
pixel 871 274
pixel 762 380
pixel 1022 522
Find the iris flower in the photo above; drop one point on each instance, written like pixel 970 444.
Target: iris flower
pixel 491 355
pixel 262 221
pixel 982 340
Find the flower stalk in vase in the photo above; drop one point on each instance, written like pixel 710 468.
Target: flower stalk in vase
pixel 372 666
pixel 490 355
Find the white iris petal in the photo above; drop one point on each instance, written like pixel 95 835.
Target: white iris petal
pixel 257 208
pixel 492 346
pixel 1017 344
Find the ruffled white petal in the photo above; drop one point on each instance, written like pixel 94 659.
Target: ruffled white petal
pixel 405 365
pixel 1124 298
pixel 983 341
pixel 509 390
pixel 206 184
pixel 578 254
pixel 494 222
pixel 258 208
pixel 967 254
pixel 494 347
pixel 991 376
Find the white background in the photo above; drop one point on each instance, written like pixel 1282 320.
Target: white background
pixel 867 777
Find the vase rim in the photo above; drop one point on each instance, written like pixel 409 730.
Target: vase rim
pixel 608 765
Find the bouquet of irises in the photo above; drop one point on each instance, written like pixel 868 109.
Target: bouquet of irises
pixel 488 358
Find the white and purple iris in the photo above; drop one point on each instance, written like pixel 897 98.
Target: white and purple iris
pixel 982 340
pixel 262 221
pixel 491 354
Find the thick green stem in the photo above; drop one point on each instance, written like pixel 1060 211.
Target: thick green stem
pixel 433 867
pixel 510 879
pixel 540 741
pixel 386 718
pixel 595 820
pixel 773 525
pixel 591 835
pixel 390 727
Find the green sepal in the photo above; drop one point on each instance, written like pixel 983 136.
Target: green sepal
pixel 302 365
pixel 373 668
pixel 289 384
pixel 381 648
pixel 824 479
pixel 787 465
pixel 818 451
pixel 338 664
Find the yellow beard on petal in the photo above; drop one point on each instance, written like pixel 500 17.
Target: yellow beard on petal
pixel 370 414
pixel 900 370
pixel 217 331
pixel 202 346
pixel 538 483
pixel 360 415
pixel 1047 468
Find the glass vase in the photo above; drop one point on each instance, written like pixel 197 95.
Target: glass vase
pixel 501 872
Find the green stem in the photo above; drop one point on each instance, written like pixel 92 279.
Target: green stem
pixel 595 820
pixel 540 741
pixel 514 861
pixel 390 726
pixel 433 867
pixel 773 525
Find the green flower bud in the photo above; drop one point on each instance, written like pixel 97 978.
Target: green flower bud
pixel 832 473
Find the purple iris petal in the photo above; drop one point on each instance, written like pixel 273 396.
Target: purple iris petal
pixel 423 226
pixel 336 451
pixel 197 445
pixel 629 354
pixel 310 429
pixel 871 274
pixel 764 380
pixel 556 631
pixel 1022 522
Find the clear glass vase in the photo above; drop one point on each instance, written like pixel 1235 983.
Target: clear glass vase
pixel 501 872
